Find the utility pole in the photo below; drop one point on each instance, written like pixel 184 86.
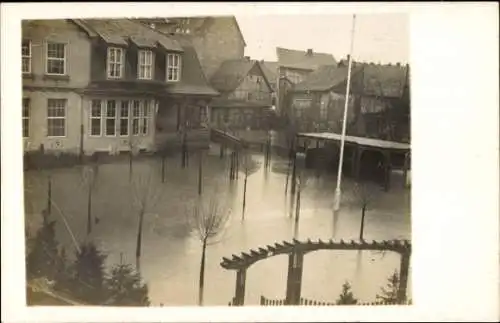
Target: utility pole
pixel 344 122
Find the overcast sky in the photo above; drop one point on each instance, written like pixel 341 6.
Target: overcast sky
pixel 380 38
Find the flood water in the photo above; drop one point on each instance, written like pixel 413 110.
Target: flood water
pixel 171 249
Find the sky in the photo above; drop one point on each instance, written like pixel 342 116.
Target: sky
pixel 378 38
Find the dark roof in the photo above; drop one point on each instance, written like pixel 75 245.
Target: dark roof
pixel 379 80
pixel 228 103
pixel 270 69
pixel 193 80
pixel 232 72
pixel 290 58
pixel 121 31
pixel 384 80
pixel 196 25
pixel 324 78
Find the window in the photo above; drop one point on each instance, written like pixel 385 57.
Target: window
pixel 145 67
pixel 173 67
pixel 115 62
pixel 56 117
pixel 323 111
pixel 95 118
pixel 26 56
pixel 26 117
pixel 124 115
pixel 110 118
pixel 56 59
pixel 145 117
pixel 136 116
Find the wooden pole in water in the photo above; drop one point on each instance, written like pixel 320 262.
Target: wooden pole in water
pixel 89 209
pixel 403 277
pixel 163 157
pixel 49 196
pixel 245 187
pixel 200 172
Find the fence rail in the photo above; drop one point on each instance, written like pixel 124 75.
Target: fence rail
pixel 308 302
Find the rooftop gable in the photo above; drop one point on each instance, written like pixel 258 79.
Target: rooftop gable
pixel 232 72
pixel 122 31
pixel 307 60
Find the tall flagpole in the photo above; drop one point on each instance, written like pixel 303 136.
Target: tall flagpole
pixel 344 122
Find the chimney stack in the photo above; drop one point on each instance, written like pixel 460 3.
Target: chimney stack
pixel 309 52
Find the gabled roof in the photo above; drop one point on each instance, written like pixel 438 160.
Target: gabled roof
pixel 324 78
pixel 377 80
pixel 270 69
pixel 121 31
pixel 297 59
pixel 385 80
pixel 232 72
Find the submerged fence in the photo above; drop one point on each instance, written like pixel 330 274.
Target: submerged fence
pixel 308 302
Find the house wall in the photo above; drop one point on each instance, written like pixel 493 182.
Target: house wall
pixel 220 42
pixel 253 87
pixel 77 52
pixel 70 143
pixel 39 87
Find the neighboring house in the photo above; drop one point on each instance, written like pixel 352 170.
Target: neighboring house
pixel 379 100
pixel 102 85
pixel 215 39
pixel 317 103
pixel 271 71
pixel 293 67
pixel 246 96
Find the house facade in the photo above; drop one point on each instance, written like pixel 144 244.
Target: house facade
pixel 215 39
pixel 293 67
pixel 105 85
pixel 379 101
pixel 246 98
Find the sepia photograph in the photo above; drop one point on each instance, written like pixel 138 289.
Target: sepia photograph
pixel 254 159
pixel 169 161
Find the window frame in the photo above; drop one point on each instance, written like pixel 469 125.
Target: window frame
pixel 92 117
pixel 57 118
pixel 26 117
pixel 177 68
pixel 29 57
pixel 120 118
pixel 145 65
pixel 64 59
pixel 105 118
pixel 121 62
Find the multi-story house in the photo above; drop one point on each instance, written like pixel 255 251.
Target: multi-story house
pixel 215 39
pixel 379 100
pixel 246 99
pixel 108 85
pixel 293 67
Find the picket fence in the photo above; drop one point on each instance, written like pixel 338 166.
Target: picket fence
pixel 308 302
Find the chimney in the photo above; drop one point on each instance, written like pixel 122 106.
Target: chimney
pixel 309 52
pixel 398 64
pixel 247 58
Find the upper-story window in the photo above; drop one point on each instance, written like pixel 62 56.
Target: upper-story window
pixel 145 63
pixel 26 117
pixel 173 67
pixel 56 59
pixel 115 62
pixel 26 56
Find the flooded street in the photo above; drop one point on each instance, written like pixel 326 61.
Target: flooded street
pixel 171 250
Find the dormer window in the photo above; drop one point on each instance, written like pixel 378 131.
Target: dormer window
pixel 145 65
pixel 115 62
pixel 173 67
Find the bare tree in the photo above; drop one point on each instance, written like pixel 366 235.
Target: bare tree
pixel 249 167
pixel 209 218
pixel 364 195
pixel 145 196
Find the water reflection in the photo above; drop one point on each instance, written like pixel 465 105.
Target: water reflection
pixel 171 251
